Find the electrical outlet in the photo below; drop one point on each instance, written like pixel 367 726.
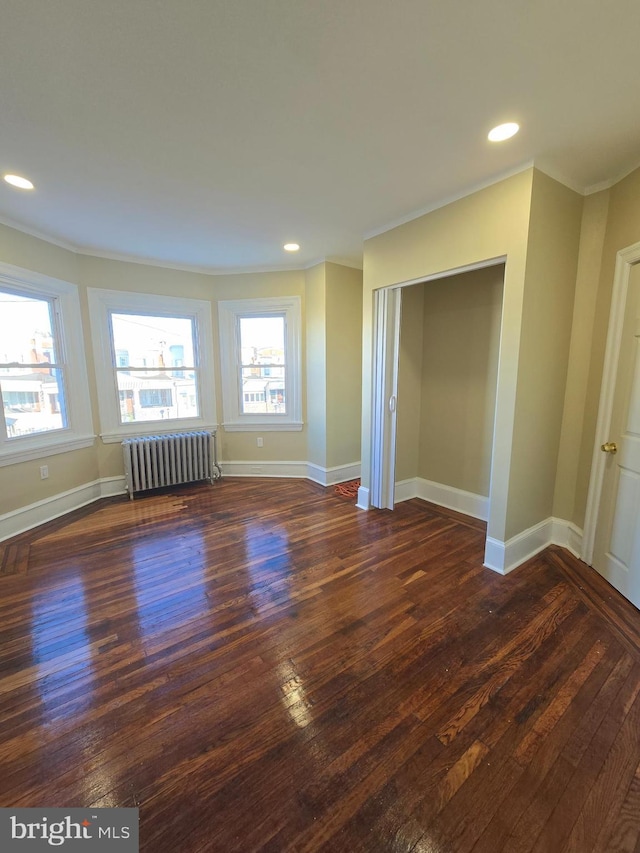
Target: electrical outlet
pixel 260 441
pixel 44 472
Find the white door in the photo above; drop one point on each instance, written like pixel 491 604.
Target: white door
pixel 616 552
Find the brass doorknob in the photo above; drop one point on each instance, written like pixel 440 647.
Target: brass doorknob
pixel 609 447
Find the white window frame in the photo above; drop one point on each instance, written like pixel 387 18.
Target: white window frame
pixel 229 314
pixel 103 303
pixel 70 354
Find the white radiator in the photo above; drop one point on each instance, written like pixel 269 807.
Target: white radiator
pixel 154 461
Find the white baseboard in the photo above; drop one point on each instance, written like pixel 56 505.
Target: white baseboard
pixel 494 555
pixel 111 486
pixel 468 503
pixel 363 501
pixel 567 535
pixel 264 469
pixel 301 470
pixel 28 517
pixel 331 476
pixel 503 557
pixel 404 490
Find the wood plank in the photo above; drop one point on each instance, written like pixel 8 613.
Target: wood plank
pixel 260 666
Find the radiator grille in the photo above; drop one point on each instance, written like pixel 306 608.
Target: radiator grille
pixel 154 461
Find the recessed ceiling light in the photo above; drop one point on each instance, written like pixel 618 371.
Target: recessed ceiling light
pixel 291 247
pixel 18 181
pixel 503 131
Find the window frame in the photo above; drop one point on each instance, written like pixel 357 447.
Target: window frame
pixel 69 338
pixel 229 314
pixel 104 303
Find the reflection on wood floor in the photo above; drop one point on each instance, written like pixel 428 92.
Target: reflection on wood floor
pixel 258 665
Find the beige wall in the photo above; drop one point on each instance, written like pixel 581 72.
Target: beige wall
pixel 557 246
pixel 334 363
pixel 462 317
pixel 31 253
pixel 554 235
pixel 555 338
pixel 316 285
pixel 20 484
pixel 447 376
pixel 408 424
pixel 242 446
pixel 137 278
pixel 338 432
pixel 572 478
pixel 142 278
pixel 344 364
pixel 622 230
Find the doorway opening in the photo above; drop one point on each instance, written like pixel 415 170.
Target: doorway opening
pixel 436 364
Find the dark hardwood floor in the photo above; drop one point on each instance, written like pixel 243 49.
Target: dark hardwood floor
pixel 259 665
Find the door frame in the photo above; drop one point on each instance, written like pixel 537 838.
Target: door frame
pixel 386 354
pixel 625 259
pixel 386 348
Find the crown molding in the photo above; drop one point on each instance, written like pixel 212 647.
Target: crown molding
pixel 40 235
pixel 468 191
pixel 606 185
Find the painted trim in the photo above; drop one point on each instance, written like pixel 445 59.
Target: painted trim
pixel 102 303
pixel 382 457
pixel 443 202
pixel 27 517
pixel 386 342
pixel 574 540
pixel 51 448
pixel 494 555
pixel 624 261
pixel 143 430
pixel 230 314
pixel 334 259
pixel 112 486
pixel 459 500
pixel 40 235
pixel 501 557
pixel 256 468
pixel 405 490
pixel 363 501
pixel 67 329
pixel 497 261
pixel 264 426
pixel 298 470
pixel 605 185
pixel 504 557
pixel 95 252
pixel 331 476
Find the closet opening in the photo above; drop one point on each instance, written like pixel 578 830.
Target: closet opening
pixel 437 352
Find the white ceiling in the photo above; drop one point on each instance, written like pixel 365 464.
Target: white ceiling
pixel 206 133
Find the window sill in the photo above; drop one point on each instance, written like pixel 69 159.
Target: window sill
pixel 144 428
pixel 42 447
pixel 264 426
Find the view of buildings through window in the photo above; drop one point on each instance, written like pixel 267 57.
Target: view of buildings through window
pixel 262 348
pixel 32 376
pixel 154 359
pixel 155 365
